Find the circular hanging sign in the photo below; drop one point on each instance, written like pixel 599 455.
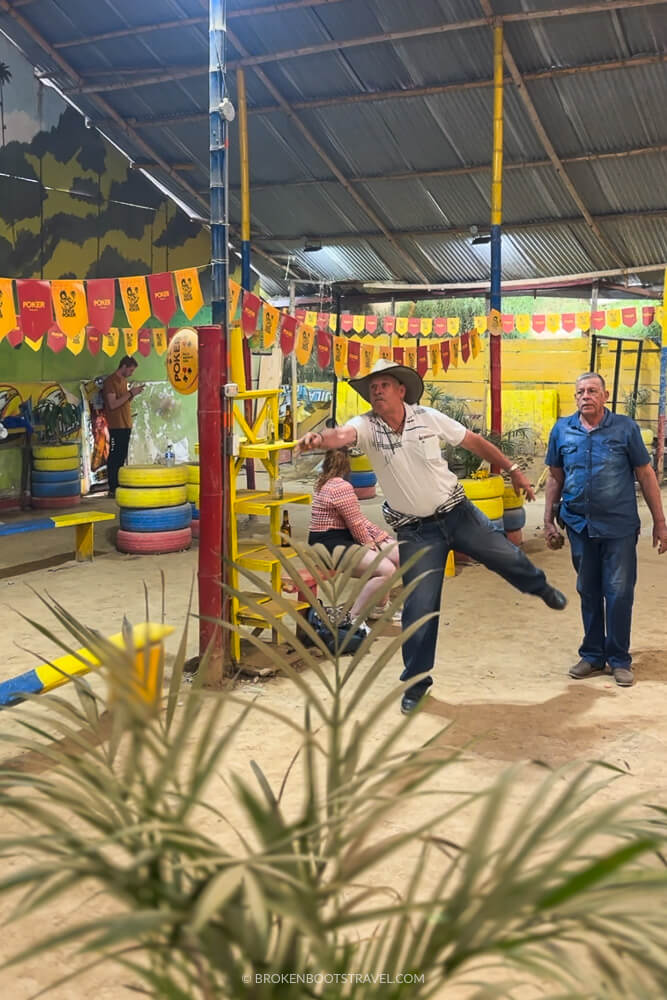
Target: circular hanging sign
pixel 183 361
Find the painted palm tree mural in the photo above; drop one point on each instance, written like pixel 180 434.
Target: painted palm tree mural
pixel 5 77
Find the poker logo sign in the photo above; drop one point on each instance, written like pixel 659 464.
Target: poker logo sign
pixel 183 361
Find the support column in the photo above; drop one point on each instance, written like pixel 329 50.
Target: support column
pixel 495 376
pixel 244 149
pixel 662 399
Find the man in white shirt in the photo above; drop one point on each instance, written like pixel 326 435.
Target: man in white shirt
pixel 426 505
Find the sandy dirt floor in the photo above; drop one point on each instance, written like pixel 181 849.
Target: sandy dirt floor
pixel 501 681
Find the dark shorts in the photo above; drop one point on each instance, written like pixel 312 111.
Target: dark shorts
pixel 332 538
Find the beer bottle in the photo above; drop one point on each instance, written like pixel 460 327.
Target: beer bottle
pixel 285 530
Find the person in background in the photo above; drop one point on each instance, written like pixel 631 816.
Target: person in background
pixel 117 396
pixel 594 456
pixel 336 519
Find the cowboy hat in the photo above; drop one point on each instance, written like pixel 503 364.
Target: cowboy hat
pixel 414 387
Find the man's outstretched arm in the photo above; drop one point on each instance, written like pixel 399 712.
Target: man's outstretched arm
pixel 330 437
pixel 480 446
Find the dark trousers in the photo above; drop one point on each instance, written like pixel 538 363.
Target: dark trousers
pixel 606 576
pixel 467 530
pixel 119 443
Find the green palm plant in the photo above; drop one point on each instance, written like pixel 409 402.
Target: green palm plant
pixel 5 78
pixel 293 900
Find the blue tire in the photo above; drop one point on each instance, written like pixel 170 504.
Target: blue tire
pixel 195 511
pixel 57 476
pixel 156 518
pixel 361 479
pixel 497 524
pixel 64 488
pixel 514 520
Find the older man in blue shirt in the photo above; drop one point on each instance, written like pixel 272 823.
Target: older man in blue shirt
pixel 593 458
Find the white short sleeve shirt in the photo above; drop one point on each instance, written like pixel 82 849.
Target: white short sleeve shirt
pixel 414 476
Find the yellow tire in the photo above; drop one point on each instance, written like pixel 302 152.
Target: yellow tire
pixel 511 501
pixel 484 489
pixel 193 473
pixel 193 493
pixel 158 496
pixel 55 451
pixel 493 507
pixel 56 464
pixel 152 475
pixel 360 463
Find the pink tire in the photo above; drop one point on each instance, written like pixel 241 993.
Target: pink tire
pixel 365 492
pixel 194 528
pixel 154 542
pixel 54 503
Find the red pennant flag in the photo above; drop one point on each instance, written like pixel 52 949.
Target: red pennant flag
pixel 508 322
pixel 422 359
pixel 440 326
pixel 539 322
pixel 35 307
pixel 389 324
pixel 346 322
pixel 15 337
pixel 444 354
pixel 648 315
pixel 300 315
pixel 171 333
pixel 598 319
pixel 144 341
pixel 323 321
pixel 163 296
pixel 465 345
pixel 250 313
pixel 323 349
pixel 568 321
pixel 56 340
pixel 414 323
pixel 398 355
pixel 371 324
pixel 353 357
pixel 287 333
pixel 93 339
pixel 101 295
pixel 629 316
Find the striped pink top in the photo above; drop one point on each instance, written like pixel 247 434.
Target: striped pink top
pixel 336 506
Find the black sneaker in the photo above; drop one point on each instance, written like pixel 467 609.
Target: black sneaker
pixel 554 598
pixel 410 701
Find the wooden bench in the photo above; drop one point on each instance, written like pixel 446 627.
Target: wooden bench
pixel 81 522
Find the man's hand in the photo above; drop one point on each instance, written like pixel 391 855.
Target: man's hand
pixel 519 482
pixel 660 537
pixel 309 441
pixel 553 537
pixel 136 389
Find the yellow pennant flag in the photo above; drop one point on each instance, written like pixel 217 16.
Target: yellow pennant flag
pixel 7 308
pixel 270 322
pixel 131 340
pixel 110 341
pixel 614 318
pixel 189 291
pixel 340 356
pixel 660 313
pixel 159 339
pixel 522 321
pixel 495 323
pixel 305 338
pixel 234 296
pixel 480 324
pixel 76 343
pixel 426 326
pixel 434 358
pixel 583 321
pixel 366 357
pixel 475 343
pixel 453 325
pixel 358 324
pixel 553 322
pixel 454 352
pixel 384 352
pixel 69 306
pixel 35 345
pixel 401 325
pixel 311 319
pixel 411 356
pixel 135 300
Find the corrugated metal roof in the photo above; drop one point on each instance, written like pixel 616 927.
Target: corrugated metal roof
pixel 584 114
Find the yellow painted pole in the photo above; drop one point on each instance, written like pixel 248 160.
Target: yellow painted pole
pixel 496 223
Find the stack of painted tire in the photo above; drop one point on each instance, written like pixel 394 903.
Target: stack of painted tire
pixel 487 495
pixel 154 514
pixel 514 515
pixel 193 496
pixel 362 477
pixel 56 476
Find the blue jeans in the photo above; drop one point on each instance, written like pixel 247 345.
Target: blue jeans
pixel 467 530
pixel 606 576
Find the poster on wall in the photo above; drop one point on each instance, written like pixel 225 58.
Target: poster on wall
pixel 95 436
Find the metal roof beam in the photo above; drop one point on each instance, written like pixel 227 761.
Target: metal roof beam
pixel 341 239
pixel 324 156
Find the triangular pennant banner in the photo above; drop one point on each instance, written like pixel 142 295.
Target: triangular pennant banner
pixel 389 324
pixel 569 322
pixel 35 345
pixel 163 296
pixel 465 345
pixel 401 325
pixel 508 322
pixel 250 313
pixel 311 318
pixel 453 325
pixel 300 315
pixel 234 296
pixel 614 318
pixel 323 349
pixel 333 322
pixel 134 294
pixel 7 308
pixel 56 340
pixel 598 319
pixel 426 326
pixel 399 355
pixel 539 322
pixel 629 316
pixel 475 343
pixel 422 359
pixel 444 354
pixel 553 322
pixel 353 357
pixel 287 333
pixel 189 291
pixel 70 306
pixel 305 338
pixel 358 323
pixel 384 352
pixel 110 341
pixel 411 357
pixel 93 340
pixel 583 321
pixel 34 307
pixel 131 340
pixel 323 321
pixel 522 321
pixel 434 358
pixel 101 296
pixel 346 322
pixel 15 337
pixel 340 355
pixel 270 324
pixel 440 325
pixel 144 342
pixel 454 352
pixel 367 357
pixel 371 324
pixel 481 324
pixel 159 339
pixel 414 324
pixel 77 343
pixel 648 315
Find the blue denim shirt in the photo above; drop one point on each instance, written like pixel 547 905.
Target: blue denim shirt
pixel 599 487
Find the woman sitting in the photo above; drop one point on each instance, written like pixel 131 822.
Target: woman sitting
pixel 336 520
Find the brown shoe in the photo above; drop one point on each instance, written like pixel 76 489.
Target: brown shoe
pixel 584 668
pixel 623 676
